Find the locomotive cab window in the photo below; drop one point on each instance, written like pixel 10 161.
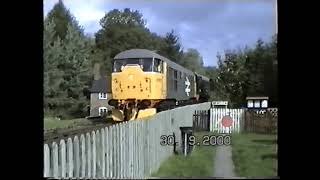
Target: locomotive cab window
pixel 146 64
pixel 158 65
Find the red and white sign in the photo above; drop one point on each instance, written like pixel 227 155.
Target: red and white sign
pixel 227 121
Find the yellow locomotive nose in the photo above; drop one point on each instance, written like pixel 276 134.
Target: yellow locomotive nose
pixel 131 83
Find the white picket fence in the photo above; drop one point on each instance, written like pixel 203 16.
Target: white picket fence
pixel 127 150
pixel 217 114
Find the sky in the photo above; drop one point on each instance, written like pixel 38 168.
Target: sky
pixel 210 26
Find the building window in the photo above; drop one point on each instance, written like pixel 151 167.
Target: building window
pixel 250 103
pixel 264 104
pixel 102 95
pixel 257 103
pixel 102 110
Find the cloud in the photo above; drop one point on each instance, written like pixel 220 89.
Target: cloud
pixel 87 12
pixel 206 25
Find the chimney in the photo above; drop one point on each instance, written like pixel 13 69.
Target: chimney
pixel 96 71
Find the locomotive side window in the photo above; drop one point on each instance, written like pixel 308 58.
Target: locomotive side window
pixel 175 80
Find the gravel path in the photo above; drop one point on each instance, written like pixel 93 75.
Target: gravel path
pixel 223 164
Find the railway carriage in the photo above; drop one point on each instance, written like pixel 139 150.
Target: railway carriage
pixel 144 82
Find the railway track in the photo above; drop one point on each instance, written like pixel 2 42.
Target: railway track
pixel 56 135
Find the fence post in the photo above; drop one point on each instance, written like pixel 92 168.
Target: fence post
pixel 111 154
pixel 126 147
pixel 108 149
pixel 98 155
pixel 70 157
pixel 116 150
pixel 93 145
pixel 46 164
pixel 63 158
pixel 131 148
pixel 55 164
pixel 121 150
pixel 89 161
pixel 76 157
pixel 102 155
pixel 83 156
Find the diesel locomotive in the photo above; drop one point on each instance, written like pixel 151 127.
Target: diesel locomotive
pixel 144 83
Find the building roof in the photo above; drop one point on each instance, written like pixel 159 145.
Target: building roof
pixel 102 85
pixel 261 97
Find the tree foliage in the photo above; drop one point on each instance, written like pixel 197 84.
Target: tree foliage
pixel 62 17
pixel 69 58
pixel 171 48
pixel 122 30
pixel 193 61
pixel 66 70
pixel 248 72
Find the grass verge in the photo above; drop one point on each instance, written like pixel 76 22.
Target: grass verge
pixel 198 164
pixel 254 155
pixel 52 123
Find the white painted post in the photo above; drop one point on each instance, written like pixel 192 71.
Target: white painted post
pixel 123 174
pixel 63 158
pixel 237 121
pixel 55 156
pixel 116 151
pixel 152 147
pixel 76 157
pixel 83 156
pixel 130 150
pixel 98 155
pixel 113 147
pixel 89 160
pixel 121 150
pixel 211 120
pixel 215 120
pixel 93 145
pixel 138 149
pixel 70 157
pixel 107 149
pixel 126 152
pixel 142 146
pixel 103 154
pixel 46 164
pixel 133 150
pixel 148 147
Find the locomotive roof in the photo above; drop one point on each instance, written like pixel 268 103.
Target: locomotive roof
pixel 203 77
pixel 145 53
